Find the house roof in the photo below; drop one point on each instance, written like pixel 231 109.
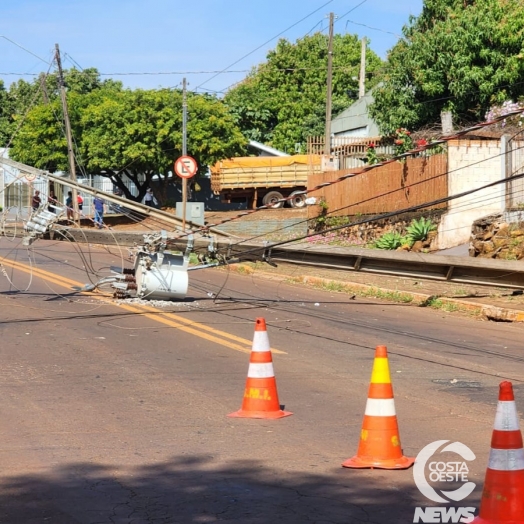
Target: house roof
pixel 356 117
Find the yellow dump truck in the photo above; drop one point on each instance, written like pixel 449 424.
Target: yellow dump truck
pixel 264 180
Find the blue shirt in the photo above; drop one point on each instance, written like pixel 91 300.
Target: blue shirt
pixel 99 204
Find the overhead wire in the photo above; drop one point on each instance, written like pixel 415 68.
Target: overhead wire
pixel 354 8
pixel 23 48
pixel 377 217
pixel 373 28
pixel 360 171
pixel 267 42
pixel 341 17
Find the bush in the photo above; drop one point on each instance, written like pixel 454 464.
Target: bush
pixel 391 240
pixel 419 229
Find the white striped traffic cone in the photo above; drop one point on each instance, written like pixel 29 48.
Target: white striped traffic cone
pixel 260 395
pixel 502 499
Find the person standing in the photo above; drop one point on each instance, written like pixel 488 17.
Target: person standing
pixel 51 202
pixel 98 204
pixel 36 201
pixel 80 202
pixel 149 199
pixel 69 205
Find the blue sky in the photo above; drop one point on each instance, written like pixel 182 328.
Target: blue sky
pixel 144 40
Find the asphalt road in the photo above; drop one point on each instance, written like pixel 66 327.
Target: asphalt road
pixel 116 413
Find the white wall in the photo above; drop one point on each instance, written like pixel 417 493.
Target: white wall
pixel 471 164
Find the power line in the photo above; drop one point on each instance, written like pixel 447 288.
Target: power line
pixel 409 209
pixel 267 42
pixel 69 57
pixel 368 168
pixel 316 25
pixel 456 209
pixel 350 11
pixel 373 28
pixel 24 49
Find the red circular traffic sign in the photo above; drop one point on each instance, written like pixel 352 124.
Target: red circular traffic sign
pixel 186 167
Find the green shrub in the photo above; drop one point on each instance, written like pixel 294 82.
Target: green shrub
pixel 419 229
pixel 391 240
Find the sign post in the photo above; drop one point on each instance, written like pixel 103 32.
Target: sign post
pixel 185 167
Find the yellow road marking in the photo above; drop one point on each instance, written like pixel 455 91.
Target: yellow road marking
pixel 169 319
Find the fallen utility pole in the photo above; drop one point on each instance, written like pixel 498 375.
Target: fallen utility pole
pixel 149 211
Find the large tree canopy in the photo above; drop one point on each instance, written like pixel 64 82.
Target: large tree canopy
pixel 123 132
pixel 22 96
pixel 459 55
pixel 283 101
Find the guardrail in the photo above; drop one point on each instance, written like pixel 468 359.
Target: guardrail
pixel 407 264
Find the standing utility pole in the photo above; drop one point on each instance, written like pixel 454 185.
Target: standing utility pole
pixel 70 152
pixel 327 139
pixel 362 77
pixel 184 150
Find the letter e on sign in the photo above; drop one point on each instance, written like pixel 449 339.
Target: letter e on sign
pixel 186 167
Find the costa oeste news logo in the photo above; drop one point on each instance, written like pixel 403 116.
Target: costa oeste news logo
pixel 438 472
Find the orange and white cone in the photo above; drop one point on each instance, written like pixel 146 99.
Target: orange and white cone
pixel 379 439
pixel 502 499
pixel 260 395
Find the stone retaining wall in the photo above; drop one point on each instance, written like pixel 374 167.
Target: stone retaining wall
pixel 369 232
pixel 494 237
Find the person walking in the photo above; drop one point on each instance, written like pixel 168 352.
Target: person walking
pixel 98 204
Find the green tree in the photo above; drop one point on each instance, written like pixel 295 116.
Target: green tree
pixel 124 133
pixel 5 116
pixel 283 100
pixel 22 96
pixel 459 55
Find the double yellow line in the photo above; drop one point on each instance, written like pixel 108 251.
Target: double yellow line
pixel 169 319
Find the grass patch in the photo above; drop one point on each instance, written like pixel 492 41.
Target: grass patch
pixel 437 303
pixel 449 307
pixel 335 286
pixel 392 296
pixel 343 287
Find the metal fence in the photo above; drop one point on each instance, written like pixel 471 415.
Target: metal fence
pixel 351 152
pixel 19 190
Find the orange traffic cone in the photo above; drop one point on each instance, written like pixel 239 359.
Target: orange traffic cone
pixel 502 500
pixel 379 439
pixel 260 395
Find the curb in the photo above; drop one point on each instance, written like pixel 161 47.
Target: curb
pixel 486 311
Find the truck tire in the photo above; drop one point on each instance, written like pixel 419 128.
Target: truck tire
pixel 271 198
pixel 297 199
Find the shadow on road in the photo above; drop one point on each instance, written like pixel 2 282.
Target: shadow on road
pixel 197 489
